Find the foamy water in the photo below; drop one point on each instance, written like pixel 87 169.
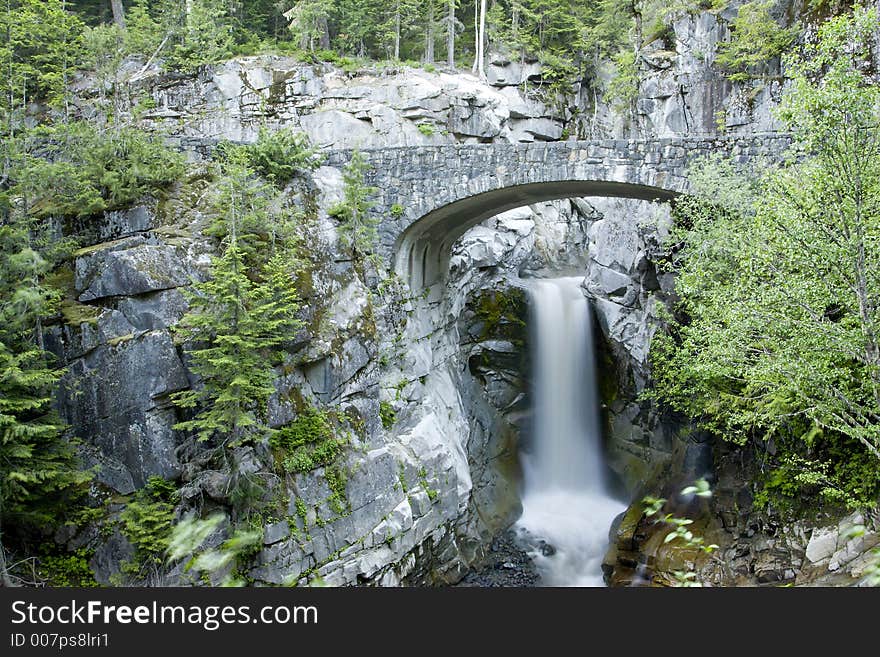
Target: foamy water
pixel 567 511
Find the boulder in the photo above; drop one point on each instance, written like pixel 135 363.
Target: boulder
pixel 522 107
pixel 823 543
pixel 617 287
pixel 137 266
pixel 484 247
pixel 101 326
pixel 339 130
pixel 614 244
pixel 470 121
pixel 512 73
pixel 276 532
pixel 153 311
pixel 113 224
pixel 532 129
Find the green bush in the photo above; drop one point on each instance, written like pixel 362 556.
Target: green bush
pixel 147 520
pixel 78 170
pixel 773 343
pixel 756 40
pixel 308 442
pixel 66 570
pixel 387 414
pixel 358 229
pixel 278 155
pixel 337 479
pixel 623 89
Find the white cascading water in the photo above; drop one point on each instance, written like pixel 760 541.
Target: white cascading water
pixel 565 501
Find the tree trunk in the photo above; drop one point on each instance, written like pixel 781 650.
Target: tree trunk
pixel 429 34
pixel 397 31
pixel 514 21
pixel 450 36
pixel 118 13
pixel 324 40
pixel 481 42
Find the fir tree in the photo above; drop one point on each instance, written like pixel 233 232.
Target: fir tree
pixel 38 467
pixel 235 324
pixel 357 228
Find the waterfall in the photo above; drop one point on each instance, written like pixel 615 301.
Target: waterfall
pixel 567 511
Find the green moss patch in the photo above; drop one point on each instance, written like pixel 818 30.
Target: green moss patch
pixel 310 441
pixel 503 315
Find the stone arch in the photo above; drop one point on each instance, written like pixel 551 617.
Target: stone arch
pixel 422 251
pixel 426 197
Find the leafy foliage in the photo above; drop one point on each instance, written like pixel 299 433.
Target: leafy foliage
pixel 278 155
pixel 387 414
pixel 79 170
pixel 308 442
pixel 357 227
pixel 756 40
pixel 623 89
pixel 777 334
pixel 680 529
pixel 187 540
pixel 146 521
pixel 67 570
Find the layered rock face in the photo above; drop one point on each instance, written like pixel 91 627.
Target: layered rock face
pixel 433 389
pixel 402 107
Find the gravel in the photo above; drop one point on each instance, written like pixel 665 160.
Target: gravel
pixel 506 565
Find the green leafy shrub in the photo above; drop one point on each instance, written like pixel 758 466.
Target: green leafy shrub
pixel 308 442
pixel 337 479
pixel 387 414
pixel 66 570
pixel 773 342
pixel 623 89
pixel 756 40
pixel 146 522
pixel 78 170
pixel 357 229
pixel 278 155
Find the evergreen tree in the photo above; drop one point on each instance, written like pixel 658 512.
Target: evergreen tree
pixel 308 20
pixel 241 206
pixel 40 44
pixel 246 309
pixel 234 325
pixel 38 467
pixel 402 16
pixel 205 35
pixel 357 227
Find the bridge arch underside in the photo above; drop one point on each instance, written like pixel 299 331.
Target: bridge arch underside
pixel 423 250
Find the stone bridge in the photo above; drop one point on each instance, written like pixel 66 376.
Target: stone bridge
pixel 428 196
